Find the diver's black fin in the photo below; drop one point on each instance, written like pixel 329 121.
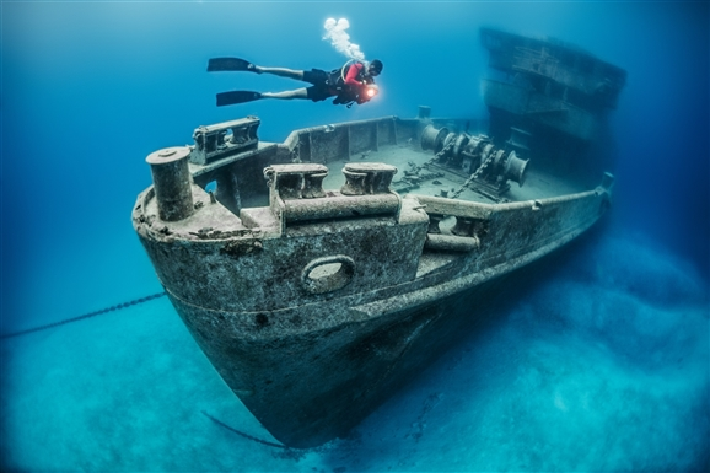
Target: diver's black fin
pixel 227 64
pixel 236 96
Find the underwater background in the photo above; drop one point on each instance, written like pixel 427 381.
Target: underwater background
pixel 602 365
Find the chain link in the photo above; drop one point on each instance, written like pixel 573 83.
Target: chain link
pixel 443 151
pixel 486 162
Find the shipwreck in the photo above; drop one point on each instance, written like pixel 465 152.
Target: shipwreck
pixel 320 274
pixel 551 100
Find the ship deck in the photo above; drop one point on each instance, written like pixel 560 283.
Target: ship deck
pixel 538 184
pixel 432 180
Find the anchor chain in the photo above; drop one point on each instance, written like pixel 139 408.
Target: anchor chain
pixel 486 162
pixel 443 151
pixel 123 305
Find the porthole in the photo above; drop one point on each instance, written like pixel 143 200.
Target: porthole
pixel 327 274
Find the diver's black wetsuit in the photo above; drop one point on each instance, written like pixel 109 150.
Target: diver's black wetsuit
pixel 353 83
pixel 331 84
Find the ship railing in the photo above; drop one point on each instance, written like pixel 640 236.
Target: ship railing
pixel 473 219
pixel 342 141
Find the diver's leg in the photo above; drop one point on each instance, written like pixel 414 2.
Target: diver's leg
pixel 278 71
pixel 301 93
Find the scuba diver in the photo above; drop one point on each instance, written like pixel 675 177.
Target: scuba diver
pixel 352 83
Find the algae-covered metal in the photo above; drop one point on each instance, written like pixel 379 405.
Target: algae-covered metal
pixel 316 293
pixel 549 98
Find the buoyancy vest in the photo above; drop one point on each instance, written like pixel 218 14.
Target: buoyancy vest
pixel 336 77
pixel 349 94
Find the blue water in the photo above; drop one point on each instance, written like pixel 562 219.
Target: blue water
pixel 604 365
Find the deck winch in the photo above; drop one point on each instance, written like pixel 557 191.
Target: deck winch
pixel 487 169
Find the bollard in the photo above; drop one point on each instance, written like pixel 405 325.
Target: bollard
pixel 173 182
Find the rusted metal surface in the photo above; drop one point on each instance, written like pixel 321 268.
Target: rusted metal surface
pixel 563 65
pixel 486 169
pixel 556 94
pixel 223 139
pixel 172 182
pixel 314 302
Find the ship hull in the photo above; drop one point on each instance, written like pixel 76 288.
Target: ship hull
pixel 313 387
pixel 318 307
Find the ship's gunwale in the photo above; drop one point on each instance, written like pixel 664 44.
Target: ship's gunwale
pixel 455 276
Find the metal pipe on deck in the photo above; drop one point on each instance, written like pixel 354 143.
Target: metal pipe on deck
pixel 457 244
